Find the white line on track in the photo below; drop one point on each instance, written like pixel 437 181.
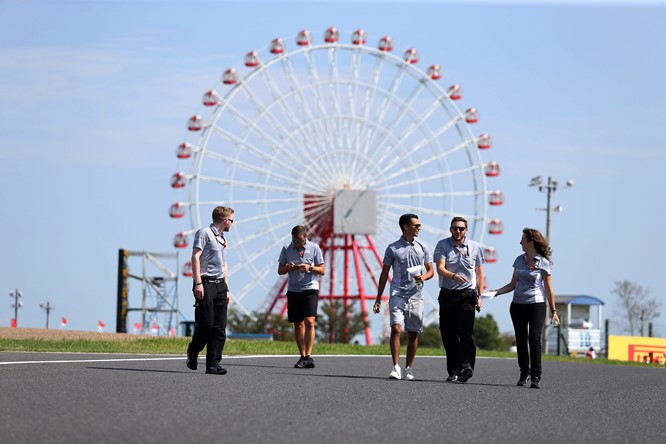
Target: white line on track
pixel 178 358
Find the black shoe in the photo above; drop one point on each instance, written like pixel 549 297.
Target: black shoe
pixel 301 362
pixel 309 362
pixel 216 370
pixel 452 378
pixel 522 381
pixel 465 374
pixel 536 382
pixel 191 362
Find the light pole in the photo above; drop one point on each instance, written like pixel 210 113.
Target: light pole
pixel 550 188
pixel 47 308
pixel 17 304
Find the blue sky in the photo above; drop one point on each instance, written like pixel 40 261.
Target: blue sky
pixel 94 97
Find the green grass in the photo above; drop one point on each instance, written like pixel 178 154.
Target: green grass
pixel 177 346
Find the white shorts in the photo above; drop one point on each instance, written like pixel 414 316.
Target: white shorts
pixel 407 312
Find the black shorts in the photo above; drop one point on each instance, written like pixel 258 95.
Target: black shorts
pixel 302 304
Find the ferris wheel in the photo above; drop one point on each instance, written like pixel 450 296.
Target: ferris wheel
pixel 341 137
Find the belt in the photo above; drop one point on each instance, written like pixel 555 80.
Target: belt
pixel 211 280
pixel 459 291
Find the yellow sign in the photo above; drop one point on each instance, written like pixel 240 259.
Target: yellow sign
pixel 637 348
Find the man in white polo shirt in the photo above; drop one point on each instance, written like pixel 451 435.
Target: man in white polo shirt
pixel 304 263
pixel 411 261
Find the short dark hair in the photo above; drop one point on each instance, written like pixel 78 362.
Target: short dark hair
pixel 298 230
pixel 220 213
pixel 459 219
pixel 406 219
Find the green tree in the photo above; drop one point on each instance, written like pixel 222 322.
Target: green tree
pixel 486 334
pixel 339 324
pixel 430 337
pixel 260 322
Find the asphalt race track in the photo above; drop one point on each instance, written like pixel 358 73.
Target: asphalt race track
pixel 77 398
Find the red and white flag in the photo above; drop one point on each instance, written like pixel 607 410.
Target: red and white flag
pixel 154 328
pixel 63 322
pixel 137 327
pixel 172 331
pixel 100 326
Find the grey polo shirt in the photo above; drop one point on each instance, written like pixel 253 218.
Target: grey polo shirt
pixel 401 255
pixel 461 260
pixel 529 279
pixel 300 280
pixel 213 252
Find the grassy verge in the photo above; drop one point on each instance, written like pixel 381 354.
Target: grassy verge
pixel 177 346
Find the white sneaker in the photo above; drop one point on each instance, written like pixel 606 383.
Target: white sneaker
pixel 395 373
pixel 408 374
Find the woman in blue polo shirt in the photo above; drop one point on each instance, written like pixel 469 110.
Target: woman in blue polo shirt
pixel 531 286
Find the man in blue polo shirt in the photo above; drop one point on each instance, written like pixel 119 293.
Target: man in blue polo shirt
pixel 211 291
pixel 302 260
pixel 459 264
pixel 411 261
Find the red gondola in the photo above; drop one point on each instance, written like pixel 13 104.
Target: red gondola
pixel 471 115
pixel 495 226
pixel 195 123
pixel 490 254
pixel 434 72
pixel 386 44
pixel 411 56
pixel 277 46
pixel 492 169
pixel 230 77
pixel 180 240
pixel 495 198
pixel 178 180
pixel 331 35
pixel 177 210
pixel 187 269
pixel 359 37
pixel 210 98
pixel 252 59
pixel 303 38
pixel 455 92
pixel 484 141
pixel 184 151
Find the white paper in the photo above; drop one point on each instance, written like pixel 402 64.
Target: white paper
pixel 416 269
pixel 489 294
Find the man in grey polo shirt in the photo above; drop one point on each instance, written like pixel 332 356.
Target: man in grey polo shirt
pixel 211 291
pixel 411 261
pixel 302 260
pixel 459 264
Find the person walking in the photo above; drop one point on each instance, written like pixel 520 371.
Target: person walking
pixel 411 262
pixel 211 291
pixel 532 288
pixel 459 263
pixel 303 261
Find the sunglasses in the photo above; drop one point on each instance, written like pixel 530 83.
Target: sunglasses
pixel 230 220
pixel 416 225
pixel 458 228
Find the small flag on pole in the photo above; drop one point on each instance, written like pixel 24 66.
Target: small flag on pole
pixel 100 326
pixel 63 322
pixel 137 327
pixel 172 331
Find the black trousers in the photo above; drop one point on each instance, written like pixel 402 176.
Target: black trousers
pixel 456 323
pixel 528 320
pixel 210 315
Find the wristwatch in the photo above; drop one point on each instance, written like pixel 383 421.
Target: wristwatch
pixel 310 269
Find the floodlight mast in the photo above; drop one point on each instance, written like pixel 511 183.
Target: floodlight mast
pixel 551 187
